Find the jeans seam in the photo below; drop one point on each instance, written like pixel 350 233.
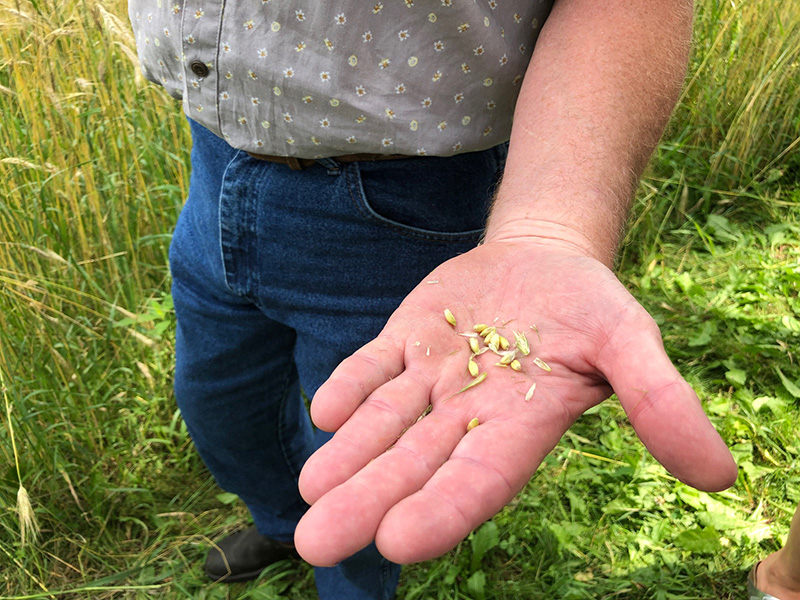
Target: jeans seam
pixel 281 420
pixel 385 579
pixel 223 262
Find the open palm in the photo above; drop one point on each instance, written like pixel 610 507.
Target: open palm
pixel 418 487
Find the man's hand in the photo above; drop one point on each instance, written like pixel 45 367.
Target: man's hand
pixel 418 488
pixel 594 101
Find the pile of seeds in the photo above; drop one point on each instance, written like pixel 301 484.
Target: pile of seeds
pixel 486 338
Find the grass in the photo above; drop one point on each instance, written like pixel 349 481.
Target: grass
pixel 93 169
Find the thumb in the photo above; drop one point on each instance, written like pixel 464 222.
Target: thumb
pixel 662 407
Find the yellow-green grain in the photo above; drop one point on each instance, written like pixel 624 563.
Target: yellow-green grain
pixel 508 358
pixel 516 365
pixel 473 424
pixel 522 343
pixel 449 316
pixel 474 345
pixel 473 368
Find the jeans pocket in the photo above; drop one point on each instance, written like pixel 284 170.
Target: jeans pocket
pixel 436 198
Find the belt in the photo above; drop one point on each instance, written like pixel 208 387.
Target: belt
pixel 298 164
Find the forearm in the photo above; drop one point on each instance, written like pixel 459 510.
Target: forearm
pixel 596 97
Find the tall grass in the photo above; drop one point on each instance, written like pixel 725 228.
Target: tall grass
pixel 92 173
pixel 93 170
pixel 733 144
pixel 740 110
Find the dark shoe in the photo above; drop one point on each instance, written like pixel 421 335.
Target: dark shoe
pixel 243 555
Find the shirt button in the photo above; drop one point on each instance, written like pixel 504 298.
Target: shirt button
pixel 199 68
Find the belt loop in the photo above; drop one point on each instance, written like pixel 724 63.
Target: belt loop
pixel 333 167
pixel 293 163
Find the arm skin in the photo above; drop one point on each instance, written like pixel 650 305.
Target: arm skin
pixel 597 95
pixel 602 82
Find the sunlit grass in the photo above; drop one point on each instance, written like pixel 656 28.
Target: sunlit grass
pixel 733 144
pixel 741 103
pixel 93 171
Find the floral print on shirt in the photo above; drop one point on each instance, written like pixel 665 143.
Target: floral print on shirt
pixel 316 79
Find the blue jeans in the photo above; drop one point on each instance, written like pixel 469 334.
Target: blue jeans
pixel 278 275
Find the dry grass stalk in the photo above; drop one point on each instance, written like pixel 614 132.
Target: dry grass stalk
pixel 424 413
pixel 471 384
pixel 28 527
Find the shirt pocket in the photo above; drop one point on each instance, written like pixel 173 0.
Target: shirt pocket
pixel 436 198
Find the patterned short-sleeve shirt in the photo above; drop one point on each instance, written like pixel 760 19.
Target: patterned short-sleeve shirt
pixel 315 79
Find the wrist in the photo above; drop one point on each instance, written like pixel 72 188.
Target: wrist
pixel 597 244
pixel 565 208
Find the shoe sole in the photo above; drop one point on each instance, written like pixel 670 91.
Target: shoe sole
pixel 231 578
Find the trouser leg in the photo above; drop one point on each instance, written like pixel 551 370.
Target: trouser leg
pixel 235 381
pixel 280 274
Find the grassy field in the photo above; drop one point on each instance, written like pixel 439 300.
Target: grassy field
pixel 93 171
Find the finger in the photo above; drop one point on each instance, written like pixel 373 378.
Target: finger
pixel 487 469
pixel 374 427
pixel 355 379
pixel 345 519
pixel 662 407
